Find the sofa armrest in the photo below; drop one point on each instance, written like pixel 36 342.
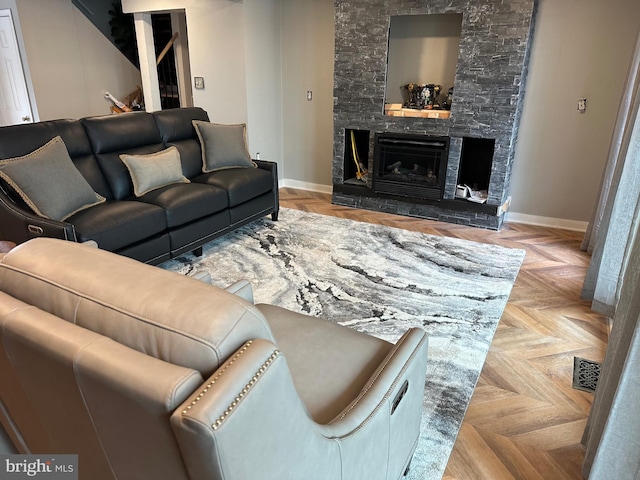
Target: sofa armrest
pixel 19 225
pixel 273 167
pixel 267 165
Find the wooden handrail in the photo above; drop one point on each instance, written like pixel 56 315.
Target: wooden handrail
pixel 166 48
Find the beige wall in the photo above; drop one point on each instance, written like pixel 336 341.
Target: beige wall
pixel 71 63
pixel 264 80
pixel 307 64
pixel 580 49
pixel 217 52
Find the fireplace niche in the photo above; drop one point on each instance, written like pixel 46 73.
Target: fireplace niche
pixel 423 57
pixel 482 128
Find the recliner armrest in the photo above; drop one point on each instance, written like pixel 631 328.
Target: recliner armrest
pixel 248 421
pixel 385 385
pixel 243 289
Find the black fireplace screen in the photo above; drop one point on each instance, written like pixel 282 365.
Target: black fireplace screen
pixel 410 165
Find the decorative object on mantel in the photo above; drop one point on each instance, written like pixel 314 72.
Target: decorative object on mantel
pixel 423 101
pixel 380 280
pixel 446 104
pixel 422 95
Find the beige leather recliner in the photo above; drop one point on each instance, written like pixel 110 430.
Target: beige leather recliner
pixel 145 373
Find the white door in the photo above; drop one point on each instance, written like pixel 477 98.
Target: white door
pixel 15 107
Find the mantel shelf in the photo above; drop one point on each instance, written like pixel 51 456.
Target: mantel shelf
pixel 396 110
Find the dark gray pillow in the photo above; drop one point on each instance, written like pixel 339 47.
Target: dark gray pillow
pixel 154 170
pixel 49 182
pixel 223 146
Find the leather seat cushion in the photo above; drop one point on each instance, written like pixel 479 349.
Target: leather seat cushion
pixel 114 225
pixel 186 202
pixel 242 184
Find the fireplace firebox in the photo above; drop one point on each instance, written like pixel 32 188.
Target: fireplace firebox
pixel 410 165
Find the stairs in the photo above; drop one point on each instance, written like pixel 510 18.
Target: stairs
pixel 118 27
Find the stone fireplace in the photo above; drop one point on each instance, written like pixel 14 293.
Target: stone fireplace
pixel 475 133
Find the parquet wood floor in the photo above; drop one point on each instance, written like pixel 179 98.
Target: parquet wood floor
pixel 525 420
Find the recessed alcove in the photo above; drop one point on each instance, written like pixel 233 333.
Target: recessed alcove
pixel 356 152
pixel 476 161
pixel 423 49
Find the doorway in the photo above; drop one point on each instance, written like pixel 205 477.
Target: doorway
pixel 15 107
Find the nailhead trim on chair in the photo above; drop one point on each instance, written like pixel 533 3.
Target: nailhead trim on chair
pixel 244 391
pixel 217 376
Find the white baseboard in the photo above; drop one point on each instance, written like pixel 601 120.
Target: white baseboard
pixel 574 225
pixel 313 187
pixel 513 217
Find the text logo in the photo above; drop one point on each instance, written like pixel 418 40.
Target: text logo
pixel 49 467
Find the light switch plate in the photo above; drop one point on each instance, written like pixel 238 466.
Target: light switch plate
pixel 582 105
pixel 198 82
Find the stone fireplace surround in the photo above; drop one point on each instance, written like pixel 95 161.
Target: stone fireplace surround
pixel 488 96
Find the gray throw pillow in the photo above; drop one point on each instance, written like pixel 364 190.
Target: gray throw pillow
pixel 154 170
pixel 223 146
pixel 49 182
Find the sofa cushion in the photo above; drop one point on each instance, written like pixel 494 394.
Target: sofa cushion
pixel 164 314
pixel 223 146
pixel 48 181
pixel 154 170
pixel 175 124
pixel 190 156
pixel 134 133
pixel 184 203
pixel 177 130
pixel 118 224
pixel 242 184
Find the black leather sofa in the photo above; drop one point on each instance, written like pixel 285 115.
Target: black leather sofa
pixel 163 223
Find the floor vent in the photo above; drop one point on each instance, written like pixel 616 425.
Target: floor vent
pixel 585 374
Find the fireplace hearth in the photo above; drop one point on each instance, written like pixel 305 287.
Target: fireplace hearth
pixel 480 131
pixel 410 165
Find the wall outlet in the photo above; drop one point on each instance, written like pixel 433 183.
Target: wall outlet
pixel 309 95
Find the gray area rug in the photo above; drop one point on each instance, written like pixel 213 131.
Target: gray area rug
pixel 380 280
